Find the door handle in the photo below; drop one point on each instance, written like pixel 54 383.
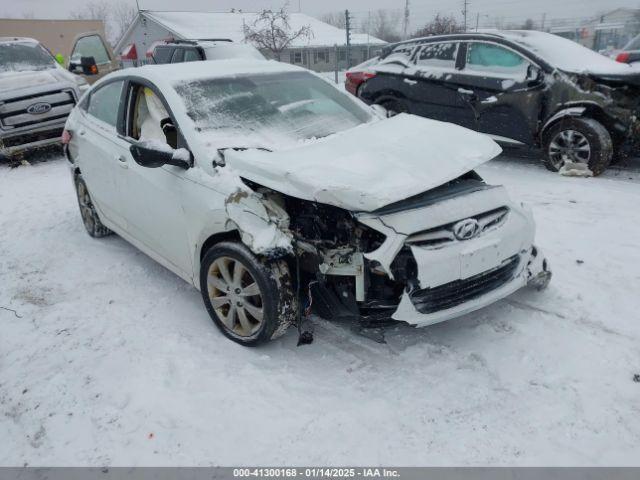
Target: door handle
pixel 410 82
pixel 122 161
pixel 82 132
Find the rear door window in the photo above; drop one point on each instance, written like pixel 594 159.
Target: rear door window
pixel 105 101
pixel 438 55
pixel 178 55
pixel 191 55
pixel 90 46
pixel 496 61
pixel 162 54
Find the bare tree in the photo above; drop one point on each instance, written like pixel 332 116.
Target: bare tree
pixel 122 14
pixel 383 24
pixel 28 15
pixel 337 19
pixel 527 25
pixel 439 25
pixel 272 31
pixel 93 10
pixel 116 16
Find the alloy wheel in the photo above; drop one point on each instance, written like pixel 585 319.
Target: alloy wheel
pixel 569 146
pixel 235 296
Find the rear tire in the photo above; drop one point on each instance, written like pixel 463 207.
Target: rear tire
pixel 393 106
pixel 250 299
pixel 90 217
pixel 580 140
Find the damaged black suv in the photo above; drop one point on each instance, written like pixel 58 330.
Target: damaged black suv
pixel 521 87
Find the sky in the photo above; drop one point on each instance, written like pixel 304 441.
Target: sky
pixel 511 11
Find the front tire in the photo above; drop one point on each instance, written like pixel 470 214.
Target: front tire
pixel 250 299
pixel 90 218
pixel 578 140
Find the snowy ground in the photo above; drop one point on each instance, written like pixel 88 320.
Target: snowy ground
pixel 111 359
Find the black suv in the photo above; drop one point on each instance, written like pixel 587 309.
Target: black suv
pixel 521 87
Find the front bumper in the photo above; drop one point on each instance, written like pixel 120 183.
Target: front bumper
pixel 12 142
pixel 456 277
pixel 531 269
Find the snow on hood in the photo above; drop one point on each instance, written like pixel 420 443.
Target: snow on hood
pixel 32 78
pixel 566 54
pixel 370 166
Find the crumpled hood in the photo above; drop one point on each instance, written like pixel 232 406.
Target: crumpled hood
pixel 10 81
pixel 369 166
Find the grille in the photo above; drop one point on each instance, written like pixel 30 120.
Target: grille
pixel 439 236
pixel 27 138
pixel 13 112
pixel 454 293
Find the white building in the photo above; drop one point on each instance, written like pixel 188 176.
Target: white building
pixel 322 52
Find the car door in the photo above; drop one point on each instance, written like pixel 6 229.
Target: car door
pixel 505 90
pixel 98 146
pixel 432 85
pixel 92 45
pixel 153 196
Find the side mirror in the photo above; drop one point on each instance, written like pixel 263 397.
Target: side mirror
pixel 156 154
pixel 533 73
pixel 89 66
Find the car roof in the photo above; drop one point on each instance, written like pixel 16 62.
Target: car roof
pixel 18 40
pixel 172 73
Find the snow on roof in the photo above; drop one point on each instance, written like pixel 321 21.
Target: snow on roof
pixel 173 73
pixel 194 25
pixel 563 53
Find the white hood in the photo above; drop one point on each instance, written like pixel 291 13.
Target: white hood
pixel 33 78
pixel 370 166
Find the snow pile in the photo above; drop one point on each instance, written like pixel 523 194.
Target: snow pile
pixel 112 360
pixel 574 169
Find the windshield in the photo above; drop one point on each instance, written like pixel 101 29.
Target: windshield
pixel 18 57
pixel 292 105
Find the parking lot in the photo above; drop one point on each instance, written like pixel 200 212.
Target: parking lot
pixel 106 358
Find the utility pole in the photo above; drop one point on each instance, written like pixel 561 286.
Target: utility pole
pixel 347 26
pixel 405 23
pixel 544 17
pixel 477 20
pixel 465 10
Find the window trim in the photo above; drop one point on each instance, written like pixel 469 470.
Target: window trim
pixel 110 59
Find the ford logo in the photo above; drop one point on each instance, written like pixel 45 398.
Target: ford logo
pixel 38 108
pixel 466 229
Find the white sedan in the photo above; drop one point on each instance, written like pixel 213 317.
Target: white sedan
pixel 274 194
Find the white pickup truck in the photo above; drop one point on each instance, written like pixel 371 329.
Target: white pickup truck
pixel 36 96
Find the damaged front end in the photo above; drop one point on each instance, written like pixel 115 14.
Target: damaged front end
pixel 423 260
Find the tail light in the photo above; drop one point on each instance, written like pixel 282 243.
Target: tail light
pixel 623 57
pixel 355 79
pixel 66 137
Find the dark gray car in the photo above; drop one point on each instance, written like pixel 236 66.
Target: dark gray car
pixel 521 87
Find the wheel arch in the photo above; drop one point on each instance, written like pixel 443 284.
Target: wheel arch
pixel 211 240
pixel 585 110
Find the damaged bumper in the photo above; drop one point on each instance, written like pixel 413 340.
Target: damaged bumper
pixel 456 276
